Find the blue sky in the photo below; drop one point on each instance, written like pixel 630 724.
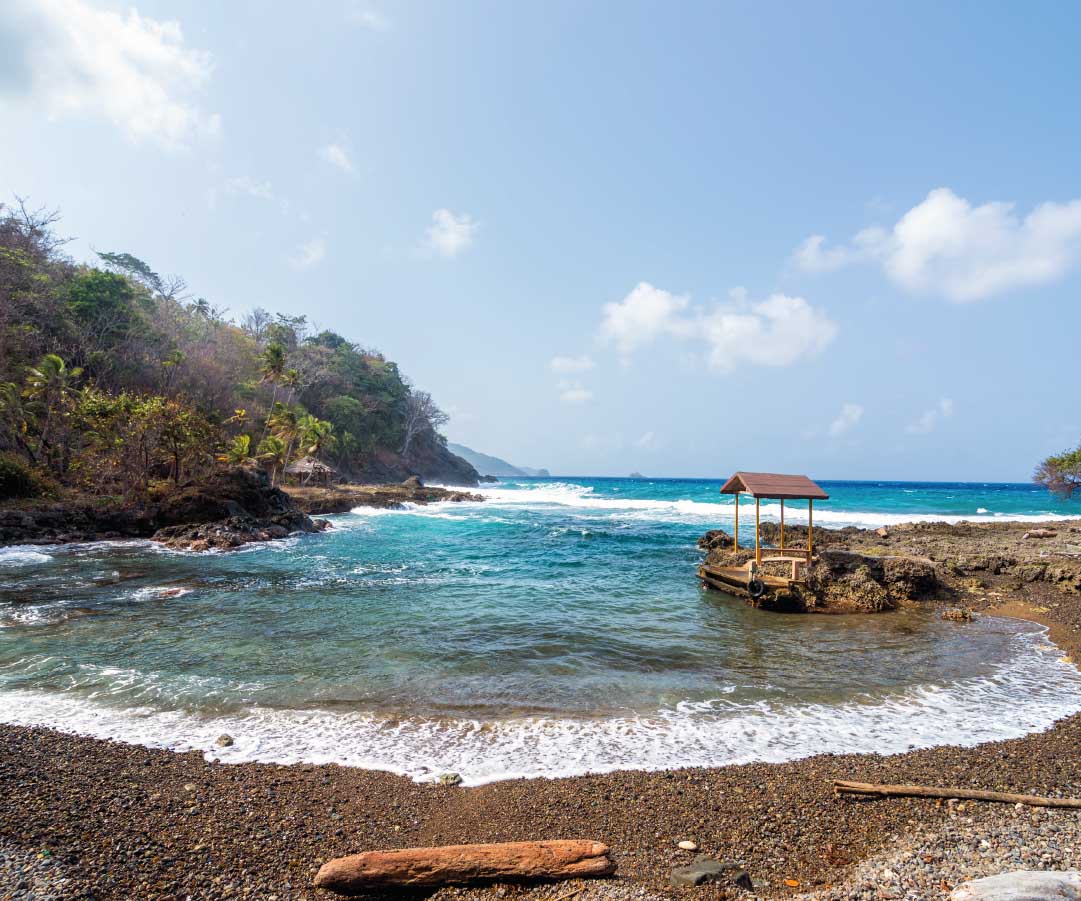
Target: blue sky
pixel 836 238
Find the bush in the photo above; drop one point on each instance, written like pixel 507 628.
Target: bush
pixel 17 479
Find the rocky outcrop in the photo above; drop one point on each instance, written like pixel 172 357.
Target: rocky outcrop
pixel 343 498
pixel 878 569
pixel 465 864
pixel 232 507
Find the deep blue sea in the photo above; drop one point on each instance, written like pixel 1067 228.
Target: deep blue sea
pixel 554 629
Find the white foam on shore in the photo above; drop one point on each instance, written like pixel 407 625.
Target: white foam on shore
pixel 572 496
pixel 23 555
pixel 1026 695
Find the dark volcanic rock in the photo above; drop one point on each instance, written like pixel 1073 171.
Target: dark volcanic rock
pixel 706 869
pixel 231 507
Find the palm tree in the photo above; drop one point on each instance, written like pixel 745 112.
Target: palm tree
pixel 272 450
pixel 238 451
pixel 316 435
pixel 49 383
pixel 283 420
pixel 291 379
pixel 272 369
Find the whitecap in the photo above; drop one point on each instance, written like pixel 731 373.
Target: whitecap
pixel 22 555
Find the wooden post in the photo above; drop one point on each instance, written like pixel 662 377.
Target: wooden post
pixel 735 531
pixel 810 527
pixel 782 523
pixel 757 519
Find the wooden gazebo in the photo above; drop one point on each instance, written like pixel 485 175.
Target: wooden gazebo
pixel 748 578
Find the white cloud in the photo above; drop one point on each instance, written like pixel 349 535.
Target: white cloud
pixel 309 253
pixel 133 71
pixel 450 235
pixel 948 247
pixel 846 420
pixel 337 155
pixel 642 316
pixel 777 331
pixel 931 418
pixel 574 393
pixel 251 187
pixel 571 364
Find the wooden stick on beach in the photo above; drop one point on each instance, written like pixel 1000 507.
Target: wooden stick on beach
pixel 466 864
pixel 842 787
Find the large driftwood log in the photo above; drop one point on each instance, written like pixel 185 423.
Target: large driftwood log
pixel 462 864
pixel 968 794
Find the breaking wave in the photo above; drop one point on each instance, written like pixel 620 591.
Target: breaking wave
pixel 1026 695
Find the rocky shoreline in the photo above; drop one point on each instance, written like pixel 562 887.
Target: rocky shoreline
pixel 234 507
pixel 116 821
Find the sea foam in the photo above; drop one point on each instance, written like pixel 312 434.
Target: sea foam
pixel 1027 694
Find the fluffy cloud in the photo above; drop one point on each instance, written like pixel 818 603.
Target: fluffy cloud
pixel 846 420
pixel 309 253
pixel 135 72
pixel 450 235
pixel 777 331
pixel 338 156
pixel 570 364
pixel 931 418
pixel 947 246
pixel 574 393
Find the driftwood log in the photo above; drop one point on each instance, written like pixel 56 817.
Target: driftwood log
pixel 464 864
pixel 843 787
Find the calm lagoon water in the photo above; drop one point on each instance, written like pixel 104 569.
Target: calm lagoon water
pixel 556 628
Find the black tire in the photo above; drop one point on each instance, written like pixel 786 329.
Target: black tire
pixel 756 587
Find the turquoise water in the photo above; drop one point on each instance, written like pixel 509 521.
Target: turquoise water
pixel 553 629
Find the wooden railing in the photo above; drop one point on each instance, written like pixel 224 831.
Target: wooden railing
pixel 801 553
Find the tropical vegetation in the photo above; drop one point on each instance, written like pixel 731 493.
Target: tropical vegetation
pixel 114 378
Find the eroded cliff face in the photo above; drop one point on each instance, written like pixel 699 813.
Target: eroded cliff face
pixel 430 460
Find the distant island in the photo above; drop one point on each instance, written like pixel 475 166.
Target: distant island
pixel 493 466
pixel 636 475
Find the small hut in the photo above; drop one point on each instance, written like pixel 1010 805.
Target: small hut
pixel 310 471
pixel 770 486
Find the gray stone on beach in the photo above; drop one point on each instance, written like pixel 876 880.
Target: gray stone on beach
pixel 224 741
pixel 449 779
pixel 1022 885
pixel 706 869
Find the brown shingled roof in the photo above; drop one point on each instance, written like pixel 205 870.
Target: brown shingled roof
pixel 774 485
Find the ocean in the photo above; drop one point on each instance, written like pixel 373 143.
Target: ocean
pixel 557 628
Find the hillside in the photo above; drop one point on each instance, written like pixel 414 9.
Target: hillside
pixel 487 465
pixel 114 378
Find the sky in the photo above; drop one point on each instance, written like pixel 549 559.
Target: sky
pixel 834 238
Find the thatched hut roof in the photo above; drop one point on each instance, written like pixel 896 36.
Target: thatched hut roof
pixel 310 466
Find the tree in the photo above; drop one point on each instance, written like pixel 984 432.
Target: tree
pixel 316 435
pixel 49 384
pixel 285 423
pixel 272 451
pixel 1061 473
pixel 421 416
pixel 237 451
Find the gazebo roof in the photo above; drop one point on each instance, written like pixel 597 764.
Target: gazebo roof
pixel 308 464
pixel 774 485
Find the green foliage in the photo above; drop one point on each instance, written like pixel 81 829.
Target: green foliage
pixel 1061 473
pixel 17 479
pixel 237 451
pixel 109 377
